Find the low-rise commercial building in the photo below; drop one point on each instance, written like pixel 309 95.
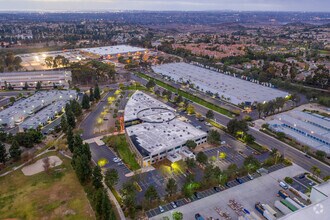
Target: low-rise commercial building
pixel 307 128
pixel 109 51
pixel 47 79
pixel 155 133
pixel 227 87
pixel 41 102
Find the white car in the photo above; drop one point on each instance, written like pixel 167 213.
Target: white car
pixel 116 159
pixel 161 209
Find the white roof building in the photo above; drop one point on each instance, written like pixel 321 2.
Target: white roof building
pixel 112 50
pixel 234 89
pixel 159 130
pixel 307 128
pixel 31 105
pixel 18 79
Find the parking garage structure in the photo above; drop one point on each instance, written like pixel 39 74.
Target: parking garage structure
pixel 40 107
pixel 154 132
pixel 307 128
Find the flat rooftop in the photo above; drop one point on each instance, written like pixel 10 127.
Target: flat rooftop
pixel 235 90
pixel 158 137
pixel 307 128
pixel 44 115
pixel 160 130
pixel 113 50
pixel 140 103
pixel 44 76
pixel 39 100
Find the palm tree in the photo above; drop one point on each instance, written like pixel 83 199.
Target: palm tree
pixel 276 154
pixel 314 170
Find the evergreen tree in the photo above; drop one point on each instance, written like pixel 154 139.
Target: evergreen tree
pixel 15 151
pixel 91 94
pixel 3 153
pixel 97 177
pixel 26 86
pixel 111 177
pixel 171 187
pixel 97 93
pixel 38 86
pixel 151 193
pixel 209 114
pixel 82 168
pixel 107 213
pixel 71 120
pixel 76 108
pixel 70 138
pixel 64 124
pixel 85 102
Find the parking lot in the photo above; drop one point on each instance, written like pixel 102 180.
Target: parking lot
pixel 210 192
pixel 100 152
pixel 231 156
pixel 302 183
pixel 263 189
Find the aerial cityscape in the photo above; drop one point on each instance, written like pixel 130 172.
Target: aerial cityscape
pixel 165 110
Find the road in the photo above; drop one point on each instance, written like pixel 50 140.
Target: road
pixel 88 123
pixel 293 154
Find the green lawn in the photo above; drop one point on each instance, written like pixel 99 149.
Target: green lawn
pixel 44 196
pixel 120 145
pixel 190 96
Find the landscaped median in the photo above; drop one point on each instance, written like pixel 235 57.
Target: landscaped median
pixel 190 96
pixel 120 145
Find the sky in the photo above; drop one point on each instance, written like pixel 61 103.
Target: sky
pixel 162 5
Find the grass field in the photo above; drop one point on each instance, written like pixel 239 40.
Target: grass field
pixel 57 195
pixel 190 96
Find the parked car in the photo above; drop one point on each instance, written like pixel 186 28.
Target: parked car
pixel 173 205
pixel 250 176
pixel 116 159
pixel 302 176
pixel 196 194
pixel 198 217
pixel 306 155
pixel 161 209
pixel 283 185
pixel 223 142
pixel 208 124
pixel 240 181
pixel 120 163
pixel 217 189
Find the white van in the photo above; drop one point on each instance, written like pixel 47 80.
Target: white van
pixel 283 185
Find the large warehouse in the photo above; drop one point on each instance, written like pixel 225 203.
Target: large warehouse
pixel 40 107
pixel 154 132
pixel 307 128
pixel 235 90
pixel 47 78
pixel 113 50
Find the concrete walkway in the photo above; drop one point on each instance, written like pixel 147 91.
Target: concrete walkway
pixel 98 140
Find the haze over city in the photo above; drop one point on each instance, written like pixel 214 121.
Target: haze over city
pixel 163 5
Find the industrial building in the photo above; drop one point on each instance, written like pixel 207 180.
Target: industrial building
pixel 41 107
pixel 47 79
pixel 113 51
pixel 319 209
pixel 307 128
pixel 155 133
pixel 227 87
